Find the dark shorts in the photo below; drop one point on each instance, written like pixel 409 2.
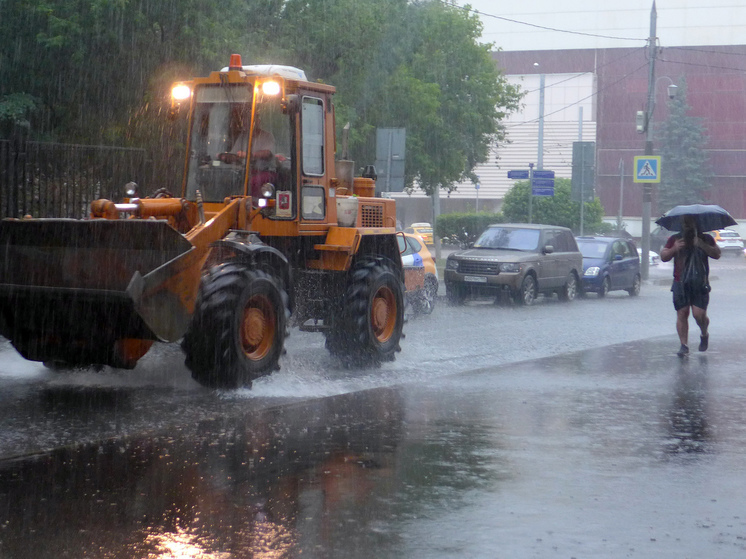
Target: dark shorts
pixel 683 297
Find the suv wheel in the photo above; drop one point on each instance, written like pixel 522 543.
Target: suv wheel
pixel 570 290
pixel 455 294
pixel 526 295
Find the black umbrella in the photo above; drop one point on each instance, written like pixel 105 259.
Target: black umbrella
pixel 709 217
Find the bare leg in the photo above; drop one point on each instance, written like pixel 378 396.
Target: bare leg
pixel 703 321
pixel 682 325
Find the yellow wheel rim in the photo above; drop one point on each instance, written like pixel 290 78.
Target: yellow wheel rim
pixel 258 327
pixel 383 314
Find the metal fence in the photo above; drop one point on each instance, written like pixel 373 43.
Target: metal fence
pixel 60 180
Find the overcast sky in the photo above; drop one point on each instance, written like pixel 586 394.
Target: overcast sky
pixel 622 23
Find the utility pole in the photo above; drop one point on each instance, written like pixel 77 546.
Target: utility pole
pixel 540 155
pixel 647 188
pixel 621 196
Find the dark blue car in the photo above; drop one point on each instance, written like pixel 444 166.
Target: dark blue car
pixel 609 264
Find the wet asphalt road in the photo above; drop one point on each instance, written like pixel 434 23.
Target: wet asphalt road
pixel 554 431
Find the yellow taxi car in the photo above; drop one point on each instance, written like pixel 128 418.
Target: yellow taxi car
pixel 420 274
pixel 729 241
pixel 424 230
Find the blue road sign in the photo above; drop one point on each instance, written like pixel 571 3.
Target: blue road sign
pixel 647 168
pixel 543 183
pixel 542 174
pixel 542 191
pixel 519 174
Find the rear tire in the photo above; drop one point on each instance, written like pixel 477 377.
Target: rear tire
pixel 239 327
pixel 369 325
pixel 570 289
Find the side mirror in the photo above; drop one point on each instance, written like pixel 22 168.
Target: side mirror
pixel 548 249
pixel 618 257
pixel 402 241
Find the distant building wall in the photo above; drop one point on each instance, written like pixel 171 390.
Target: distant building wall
pixel 716 82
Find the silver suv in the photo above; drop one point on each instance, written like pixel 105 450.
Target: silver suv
pixel 520 258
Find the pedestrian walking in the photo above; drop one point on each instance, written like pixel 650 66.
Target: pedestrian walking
pixel 690 251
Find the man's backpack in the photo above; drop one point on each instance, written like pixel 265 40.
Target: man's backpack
pixel 694 276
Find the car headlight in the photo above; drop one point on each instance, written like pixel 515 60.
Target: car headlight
pixel 452 264
pixel 593 271
pixel 510 267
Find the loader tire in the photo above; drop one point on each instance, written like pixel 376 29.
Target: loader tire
pixel 239 327
pixel 369 325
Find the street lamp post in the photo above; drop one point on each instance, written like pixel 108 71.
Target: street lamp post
pixel 647 189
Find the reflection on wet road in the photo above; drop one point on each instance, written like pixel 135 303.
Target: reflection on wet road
pixel 549 440
pixel 613 452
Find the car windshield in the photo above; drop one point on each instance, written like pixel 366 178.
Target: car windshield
pixel 729 234
pixel 592 249
pixel 509 238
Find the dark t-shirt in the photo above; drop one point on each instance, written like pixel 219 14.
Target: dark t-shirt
pixel 680 257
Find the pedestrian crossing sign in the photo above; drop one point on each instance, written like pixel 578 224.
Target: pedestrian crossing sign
pixel 648 168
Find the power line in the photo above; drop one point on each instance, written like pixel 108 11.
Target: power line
pixel 634 51
pixel 580 100
pixel 706 50
pixel 548 28
pixel 702 65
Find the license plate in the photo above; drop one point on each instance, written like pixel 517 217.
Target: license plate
pixel 475 279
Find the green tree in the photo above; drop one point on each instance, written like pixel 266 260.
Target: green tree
pixel 685 169
pixel 553 210
pixel 416 65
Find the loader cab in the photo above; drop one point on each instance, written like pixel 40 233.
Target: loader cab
pixel 265 132
pixel 241 139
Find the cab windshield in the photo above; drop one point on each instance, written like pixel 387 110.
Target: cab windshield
pixel 219 143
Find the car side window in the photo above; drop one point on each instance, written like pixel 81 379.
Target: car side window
pixel 414 245
pixel 550 238
pixel 558 241
pixel 632 250
pixel 620 249
pixel 566 241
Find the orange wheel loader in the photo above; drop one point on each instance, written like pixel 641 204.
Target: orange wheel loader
pixel 268 228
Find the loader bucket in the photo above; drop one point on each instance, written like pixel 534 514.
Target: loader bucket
pixel 70 290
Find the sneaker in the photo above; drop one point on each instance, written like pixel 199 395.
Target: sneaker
pixel 703 342
pixel 683 350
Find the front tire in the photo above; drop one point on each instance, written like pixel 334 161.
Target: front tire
pixel 455 295
pixel 605 287
pixel 634 291
pixel 239 327
pixel 526 295
pixel 369 326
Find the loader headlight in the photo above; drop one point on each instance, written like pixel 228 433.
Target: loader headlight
pixel 181 92
pixel 271 88
pixel 267 190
